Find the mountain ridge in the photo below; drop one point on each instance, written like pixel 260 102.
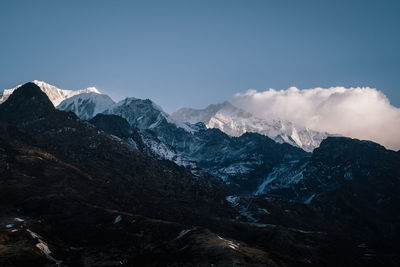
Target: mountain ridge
pixel 235 121
pixel 86 105
pixel 224 116
pixel 55 94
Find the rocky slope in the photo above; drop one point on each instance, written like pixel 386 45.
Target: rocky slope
pixel 349 187
pixel 143 140
pixel 337 161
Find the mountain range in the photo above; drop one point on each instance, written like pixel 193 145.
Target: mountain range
pixel 98 183
pixel 235 121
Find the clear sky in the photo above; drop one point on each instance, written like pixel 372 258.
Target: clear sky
pixel 193 53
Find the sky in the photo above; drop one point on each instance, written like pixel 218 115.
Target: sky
pixel 194 53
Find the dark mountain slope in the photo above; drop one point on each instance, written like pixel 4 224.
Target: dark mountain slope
pixel 80 189
pixel 361 181
pixel 104 158
pixel 355 186
pixel 145 141
pixel 113 124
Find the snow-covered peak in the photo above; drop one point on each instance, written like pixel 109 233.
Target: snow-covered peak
pixel 92 89
pixel 199 115
pixel 235 121
pixel 55 94
pixel 144 114
pixel 86 105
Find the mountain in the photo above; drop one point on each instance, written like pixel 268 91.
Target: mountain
pixel 144 114
pixel 69 140
pixel 160 136
pixel 55 94
pixel 337 161
pixel 71 194
pixel 86 105
pixel 191 145
pixel 242 162
pixel 349 187
pixel 235 121
pixel 200 115
pixel 143 140
pixel 91 193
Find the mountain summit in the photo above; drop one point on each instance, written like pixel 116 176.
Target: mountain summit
pixel 134 109
pixel 55 94
pixel 26 103
pixel 86 105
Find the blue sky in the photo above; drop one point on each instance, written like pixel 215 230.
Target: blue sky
pixel 193 53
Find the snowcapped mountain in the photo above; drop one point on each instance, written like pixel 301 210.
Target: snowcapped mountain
pixel 343 196
pixel 235 122
pixel 55 94
pixel 242 162
pixel 86 105
pixel 199 115
pixel 144 114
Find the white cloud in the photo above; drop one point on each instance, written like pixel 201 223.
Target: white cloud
pixel 363 113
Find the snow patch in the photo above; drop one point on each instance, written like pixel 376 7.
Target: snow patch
pixel 282 176
pixel 44 248
pixel 183 233
pixel 229 243
pixel 308 200
pixel 233 199
pixel 118 219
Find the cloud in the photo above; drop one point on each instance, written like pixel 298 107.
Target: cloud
pixel 361 112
